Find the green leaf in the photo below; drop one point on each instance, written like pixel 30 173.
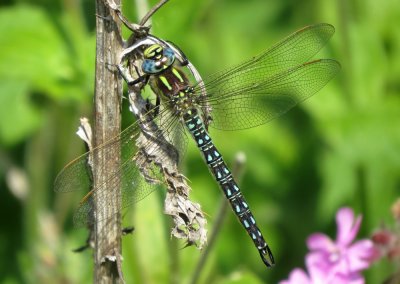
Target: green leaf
pixel 33 49
pixel 18 118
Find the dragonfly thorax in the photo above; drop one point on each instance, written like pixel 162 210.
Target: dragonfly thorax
pixel 183 101
pixel 169 82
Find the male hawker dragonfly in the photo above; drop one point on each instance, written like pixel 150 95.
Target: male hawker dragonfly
pixel 244 96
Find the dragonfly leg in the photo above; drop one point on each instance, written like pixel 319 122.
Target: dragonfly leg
pixel 155 109
pixel 157 106
pixel 128 77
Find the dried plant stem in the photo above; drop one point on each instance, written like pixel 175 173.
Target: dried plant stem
pixel 188 217
pixel 108 93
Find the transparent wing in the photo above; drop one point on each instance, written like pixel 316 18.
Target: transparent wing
pixel 136 178
pixel 262 88
pixel 134 188
pixel 259 102
pixel 295 49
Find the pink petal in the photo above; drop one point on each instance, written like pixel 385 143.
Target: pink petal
pixel 322 271
pixel 353 278
pixel 341 266
pixel 297 276
pixel 357 257
pixel 360 255
pixel 318 267
pixel 347 226
pixel 320 242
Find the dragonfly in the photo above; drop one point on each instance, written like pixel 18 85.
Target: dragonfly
pixel 244 96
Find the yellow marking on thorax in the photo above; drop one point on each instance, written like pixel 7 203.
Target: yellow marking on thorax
pixel 165 82
pixel 177 74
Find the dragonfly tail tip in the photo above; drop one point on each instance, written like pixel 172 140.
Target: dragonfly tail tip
pixel 267 257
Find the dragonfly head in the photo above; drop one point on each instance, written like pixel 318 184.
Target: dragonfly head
pixel 157 58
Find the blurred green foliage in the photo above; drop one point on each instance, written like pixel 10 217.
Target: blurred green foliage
pixel 341 147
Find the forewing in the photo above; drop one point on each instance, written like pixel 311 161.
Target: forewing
pixel 292 51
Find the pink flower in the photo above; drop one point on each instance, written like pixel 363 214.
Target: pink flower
pixel 297 276
pixel 339 261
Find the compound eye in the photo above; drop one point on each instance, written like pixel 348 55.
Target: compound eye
pixel 153 52
pixel 158 53
pixel 150 66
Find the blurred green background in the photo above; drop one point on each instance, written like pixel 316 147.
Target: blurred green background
pixel 339 148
